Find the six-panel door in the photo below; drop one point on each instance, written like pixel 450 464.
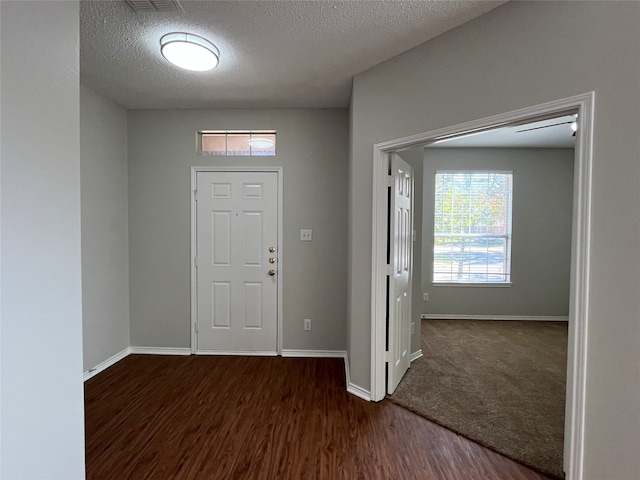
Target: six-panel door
pixel 401 247
pixel 237 262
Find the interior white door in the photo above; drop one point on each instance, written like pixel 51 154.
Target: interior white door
pixel 401 256
pixel 237 262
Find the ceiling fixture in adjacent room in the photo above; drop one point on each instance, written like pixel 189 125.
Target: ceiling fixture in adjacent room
pixel 189 51
pixel 259 142
pixel 574 125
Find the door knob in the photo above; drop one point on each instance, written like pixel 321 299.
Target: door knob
pixel 272 249
pixel 272 260
pixel 272 273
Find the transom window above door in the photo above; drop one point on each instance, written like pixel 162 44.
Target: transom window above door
pixel 472 227
pixel 237 142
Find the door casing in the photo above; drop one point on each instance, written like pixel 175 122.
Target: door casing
pixel 194 279
pixel 579 288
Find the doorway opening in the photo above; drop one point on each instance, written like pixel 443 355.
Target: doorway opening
pixel 579 275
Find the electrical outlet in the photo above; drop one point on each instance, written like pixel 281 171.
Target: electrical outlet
pixel 307 324
pixel 425 297
pixel 306 235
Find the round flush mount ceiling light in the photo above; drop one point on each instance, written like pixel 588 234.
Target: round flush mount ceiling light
pixel 259 142
pixel 189 51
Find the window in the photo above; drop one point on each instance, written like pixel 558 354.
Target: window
pixel 472 227
pixel 234 142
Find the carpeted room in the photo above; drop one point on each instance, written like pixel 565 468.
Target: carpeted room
pixel 493 360
pixel 499 383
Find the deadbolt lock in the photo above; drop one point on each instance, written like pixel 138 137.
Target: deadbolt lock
pixel 272 249
pixel 272 273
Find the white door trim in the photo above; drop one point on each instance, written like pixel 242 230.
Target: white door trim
pixel 194 277
pixel 579 290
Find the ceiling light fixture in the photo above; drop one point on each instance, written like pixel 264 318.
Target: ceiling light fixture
pixel 258 142
pixel 189 51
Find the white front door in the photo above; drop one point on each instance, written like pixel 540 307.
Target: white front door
pixel 237 262
pixel 401 256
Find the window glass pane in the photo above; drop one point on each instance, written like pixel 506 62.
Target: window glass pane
pixel 238 144
pixel 472 227
pixel 214 144
pixel 263 144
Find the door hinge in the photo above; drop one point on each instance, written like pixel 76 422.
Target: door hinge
pixel 195 195
pixel 390 181
pixel 195 261
pixel 196 325
pixel 389 269
pixel 387 356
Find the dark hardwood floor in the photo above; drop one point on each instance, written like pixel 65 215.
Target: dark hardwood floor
pixel 164 417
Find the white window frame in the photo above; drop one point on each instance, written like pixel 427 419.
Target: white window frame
pixel 507 236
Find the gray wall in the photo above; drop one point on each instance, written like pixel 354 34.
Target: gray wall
pixel 522 54
pixel 105 235
pixel 313 150
pixel 42 424
pixel 541 232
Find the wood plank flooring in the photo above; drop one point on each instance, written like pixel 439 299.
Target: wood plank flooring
pixel 164 417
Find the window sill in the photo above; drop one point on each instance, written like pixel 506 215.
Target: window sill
pixel 460 284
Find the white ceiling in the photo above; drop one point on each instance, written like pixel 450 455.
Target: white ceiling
pixel 274 53
pixel 549 133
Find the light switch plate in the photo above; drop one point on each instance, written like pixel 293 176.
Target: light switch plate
pixel 306 235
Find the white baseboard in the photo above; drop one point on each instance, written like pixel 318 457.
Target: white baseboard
pixel 244 353
pixel 286 352
pixel 160 351
pixel 351 387
pixel 534 318
pixel 359 392
pixel 415 355
pixel 106 364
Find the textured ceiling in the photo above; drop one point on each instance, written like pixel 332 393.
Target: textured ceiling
pixel 274 53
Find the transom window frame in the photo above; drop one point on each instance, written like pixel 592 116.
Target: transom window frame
pixel 251 150
pixel 506 236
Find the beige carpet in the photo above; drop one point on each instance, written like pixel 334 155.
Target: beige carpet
pixel 499 383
